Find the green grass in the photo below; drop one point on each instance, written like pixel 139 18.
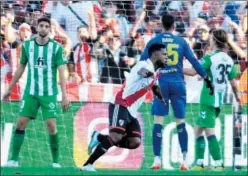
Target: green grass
pixel 35 155
pixel 75 171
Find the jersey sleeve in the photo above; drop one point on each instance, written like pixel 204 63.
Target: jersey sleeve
pixel 137 67
pixel 24 57
pixel 232 74
pixel 191 58
pixel 206 62
pixel 60 57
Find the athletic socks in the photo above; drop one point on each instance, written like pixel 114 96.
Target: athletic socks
pixel 214 149
pixel 183 139
pixel 200 149
pixel 101 149
pixel 54 145
pixel 157 139
pixel 17 140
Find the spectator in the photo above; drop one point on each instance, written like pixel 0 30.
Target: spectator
pixel 58 34
pixel 83 63
pixel 70 15
pixel 200 45
pixel 134 50
pixel 34 12
pixel 110 22
pixel 150 28
pixel 114 63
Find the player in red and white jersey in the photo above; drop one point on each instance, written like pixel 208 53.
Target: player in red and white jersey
pixel 133 92
pixel 124 128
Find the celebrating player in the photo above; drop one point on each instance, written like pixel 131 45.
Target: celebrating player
pixel 124 129
pixel 43 57
pixel 172 87
pixel 220 68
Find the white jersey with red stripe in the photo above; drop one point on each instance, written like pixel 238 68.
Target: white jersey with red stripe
pixel 133 92
pixel 86 66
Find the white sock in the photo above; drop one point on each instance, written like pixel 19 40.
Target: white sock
pixel 199 162
pixel 218 163
pixel 157 159
pixel 184 156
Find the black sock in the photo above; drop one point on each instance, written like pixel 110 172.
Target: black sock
pixel 101 137
pixel 101 149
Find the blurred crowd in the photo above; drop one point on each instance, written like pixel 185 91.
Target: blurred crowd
pixel 103 40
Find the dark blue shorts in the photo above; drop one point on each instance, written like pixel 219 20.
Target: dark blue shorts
pixel 176 93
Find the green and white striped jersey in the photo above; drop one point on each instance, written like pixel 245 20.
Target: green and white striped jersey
pixel 43 61
pixel 220 68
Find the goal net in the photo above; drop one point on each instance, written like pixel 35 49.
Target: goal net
pixel 117 33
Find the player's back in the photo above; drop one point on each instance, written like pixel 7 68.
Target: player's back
pixel 177 48
pixel 220 68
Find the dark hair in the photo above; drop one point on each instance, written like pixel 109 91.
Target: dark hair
pixel 220 38
pixel 155 47
pixel 44 19
pixel 81 26
pixel 168 21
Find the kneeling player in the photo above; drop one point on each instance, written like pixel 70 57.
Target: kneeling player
pixel 124 128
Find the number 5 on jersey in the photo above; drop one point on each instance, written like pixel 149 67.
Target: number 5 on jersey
pixel 173 54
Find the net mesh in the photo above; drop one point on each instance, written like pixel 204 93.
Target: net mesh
pixel 103 41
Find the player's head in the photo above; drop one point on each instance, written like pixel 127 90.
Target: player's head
pixel 218 38
pixel 158 55
pixel 168 22
pixel 44 27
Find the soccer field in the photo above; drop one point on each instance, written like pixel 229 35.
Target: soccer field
pixel 75 171
pixel 35 157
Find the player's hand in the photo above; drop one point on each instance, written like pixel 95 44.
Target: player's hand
pixel 65 103
pixel 145 73
pixel 6 95
pixel 162 100
pixel 209 85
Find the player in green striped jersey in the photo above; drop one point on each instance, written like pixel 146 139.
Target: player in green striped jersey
pixel 44 57
pixel 220 68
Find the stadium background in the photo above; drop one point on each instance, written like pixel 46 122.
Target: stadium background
pixel 89 97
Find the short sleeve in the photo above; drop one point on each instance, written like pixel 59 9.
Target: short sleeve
pixel 206 62
pixel 24 57
pixel 232 74
pixel 60 57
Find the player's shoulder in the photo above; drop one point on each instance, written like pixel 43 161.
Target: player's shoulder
pixel 147 64
pixel 28 41
pixel 142 63
pixel 57 44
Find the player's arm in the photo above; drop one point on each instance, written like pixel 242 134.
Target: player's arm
pixel 235 90
pixel 145 73
pixel 61 64
pixel 16 77
pixel 18 73
pixel 231 78
pixel 190 56
pixel 157 92
pixel 205 65
pixel 189 71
